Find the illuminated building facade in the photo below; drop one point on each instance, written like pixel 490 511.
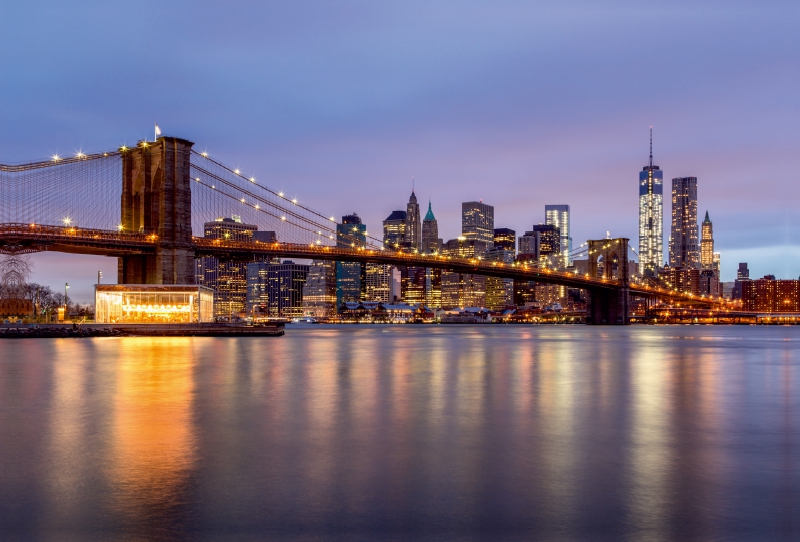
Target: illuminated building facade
pixel 228 279
pixel 558 216
pixel 153 304
pixel 276 289
pixel 683 247
pixel 413 283
pixel 394 230
pixel 462 289
pixel 499 291
pixel 529 245
pixel 505 239
pixel 549 244
pixel 770 295
pixel 413 224
pixel 350 276
pixel 477 222
pixel 683 279
pixel 378 283
pixel 707 244
pixel 651 215
pixel 319 291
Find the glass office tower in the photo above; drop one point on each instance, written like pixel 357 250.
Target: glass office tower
pixel 651 215
pixel 558 216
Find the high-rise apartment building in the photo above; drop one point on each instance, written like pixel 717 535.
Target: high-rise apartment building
pixel 558 216
pixel 413 232
pixel 651 215
pixel 319 291
pixel 350 276
pixel 394 230
pixel 430 233
pixel 683 249
pixel 477 222
pixel 506 239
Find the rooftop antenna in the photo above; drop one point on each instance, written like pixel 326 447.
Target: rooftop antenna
pixel 412 184
pixel 651 147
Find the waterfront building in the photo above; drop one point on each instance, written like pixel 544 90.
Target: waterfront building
pixel 683 247
pixel 319 291
pixel 413 282
pixel 394 230
pixel 430 233
pixel 505 239
pixel 499 291
pixel 477 222
pixel 651 215
pixel 558 216
pixel 350 276
pixel 413 231
pixel 153 304
pixel 378 283
pixel 276 289
pixel 228 278
pixel 770 295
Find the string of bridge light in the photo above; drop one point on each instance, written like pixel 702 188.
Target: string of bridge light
pixel 237 172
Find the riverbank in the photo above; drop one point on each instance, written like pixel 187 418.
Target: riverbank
pixel 32 331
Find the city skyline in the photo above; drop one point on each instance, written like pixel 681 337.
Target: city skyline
pixel 560 119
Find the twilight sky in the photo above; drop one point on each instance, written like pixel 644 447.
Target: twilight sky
pixel 517 103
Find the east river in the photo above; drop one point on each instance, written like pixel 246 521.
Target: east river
pixel 405 433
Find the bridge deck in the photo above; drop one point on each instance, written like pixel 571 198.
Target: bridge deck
pixel 36 237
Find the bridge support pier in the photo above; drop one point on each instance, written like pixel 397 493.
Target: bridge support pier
pixel 608 259
pixel 157 200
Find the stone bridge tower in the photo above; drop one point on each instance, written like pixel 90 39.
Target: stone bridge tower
pixel 157 200
pixel 608 259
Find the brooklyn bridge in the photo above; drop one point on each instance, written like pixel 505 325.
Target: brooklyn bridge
pixel 146 205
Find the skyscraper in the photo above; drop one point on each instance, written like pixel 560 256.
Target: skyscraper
pixel 549 243
pixel 413 224
pixel 319 291
pixel 477 222
pixel 683 249
pixel 394 230
pixel 430 233
pixel 651 215
pixel 276 288
pixel 558 216
pixel 707 244
pixel 350 276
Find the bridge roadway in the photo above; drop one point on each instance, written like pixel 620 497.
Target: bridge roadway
pixel 17 237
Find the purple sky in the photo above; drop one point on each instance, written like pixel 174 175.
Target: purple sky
pixel 517 103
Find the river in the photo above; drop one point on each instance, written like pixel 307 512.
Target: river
pixel 398 432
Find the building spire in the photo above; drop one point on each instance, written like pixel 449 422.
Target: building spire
pixel 651 147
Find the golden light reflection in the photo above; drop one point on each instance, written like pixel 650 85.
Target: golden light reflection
pixel 153 438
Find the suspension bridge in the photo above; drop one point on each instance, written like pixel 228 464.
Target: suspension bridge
pixel 147 205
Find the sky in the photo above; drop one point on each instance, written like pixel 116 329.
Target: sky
pixel 520 104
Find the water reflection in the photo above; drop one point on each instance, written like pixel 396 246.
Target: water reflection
pixel 152 450
pixel 418 431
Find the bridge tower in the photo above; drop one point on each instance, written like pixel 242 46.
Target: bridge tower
pixel 608 259
pixel 157 200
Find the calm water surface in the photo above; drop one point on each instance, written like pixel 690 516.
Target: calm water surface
pixel 405 432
